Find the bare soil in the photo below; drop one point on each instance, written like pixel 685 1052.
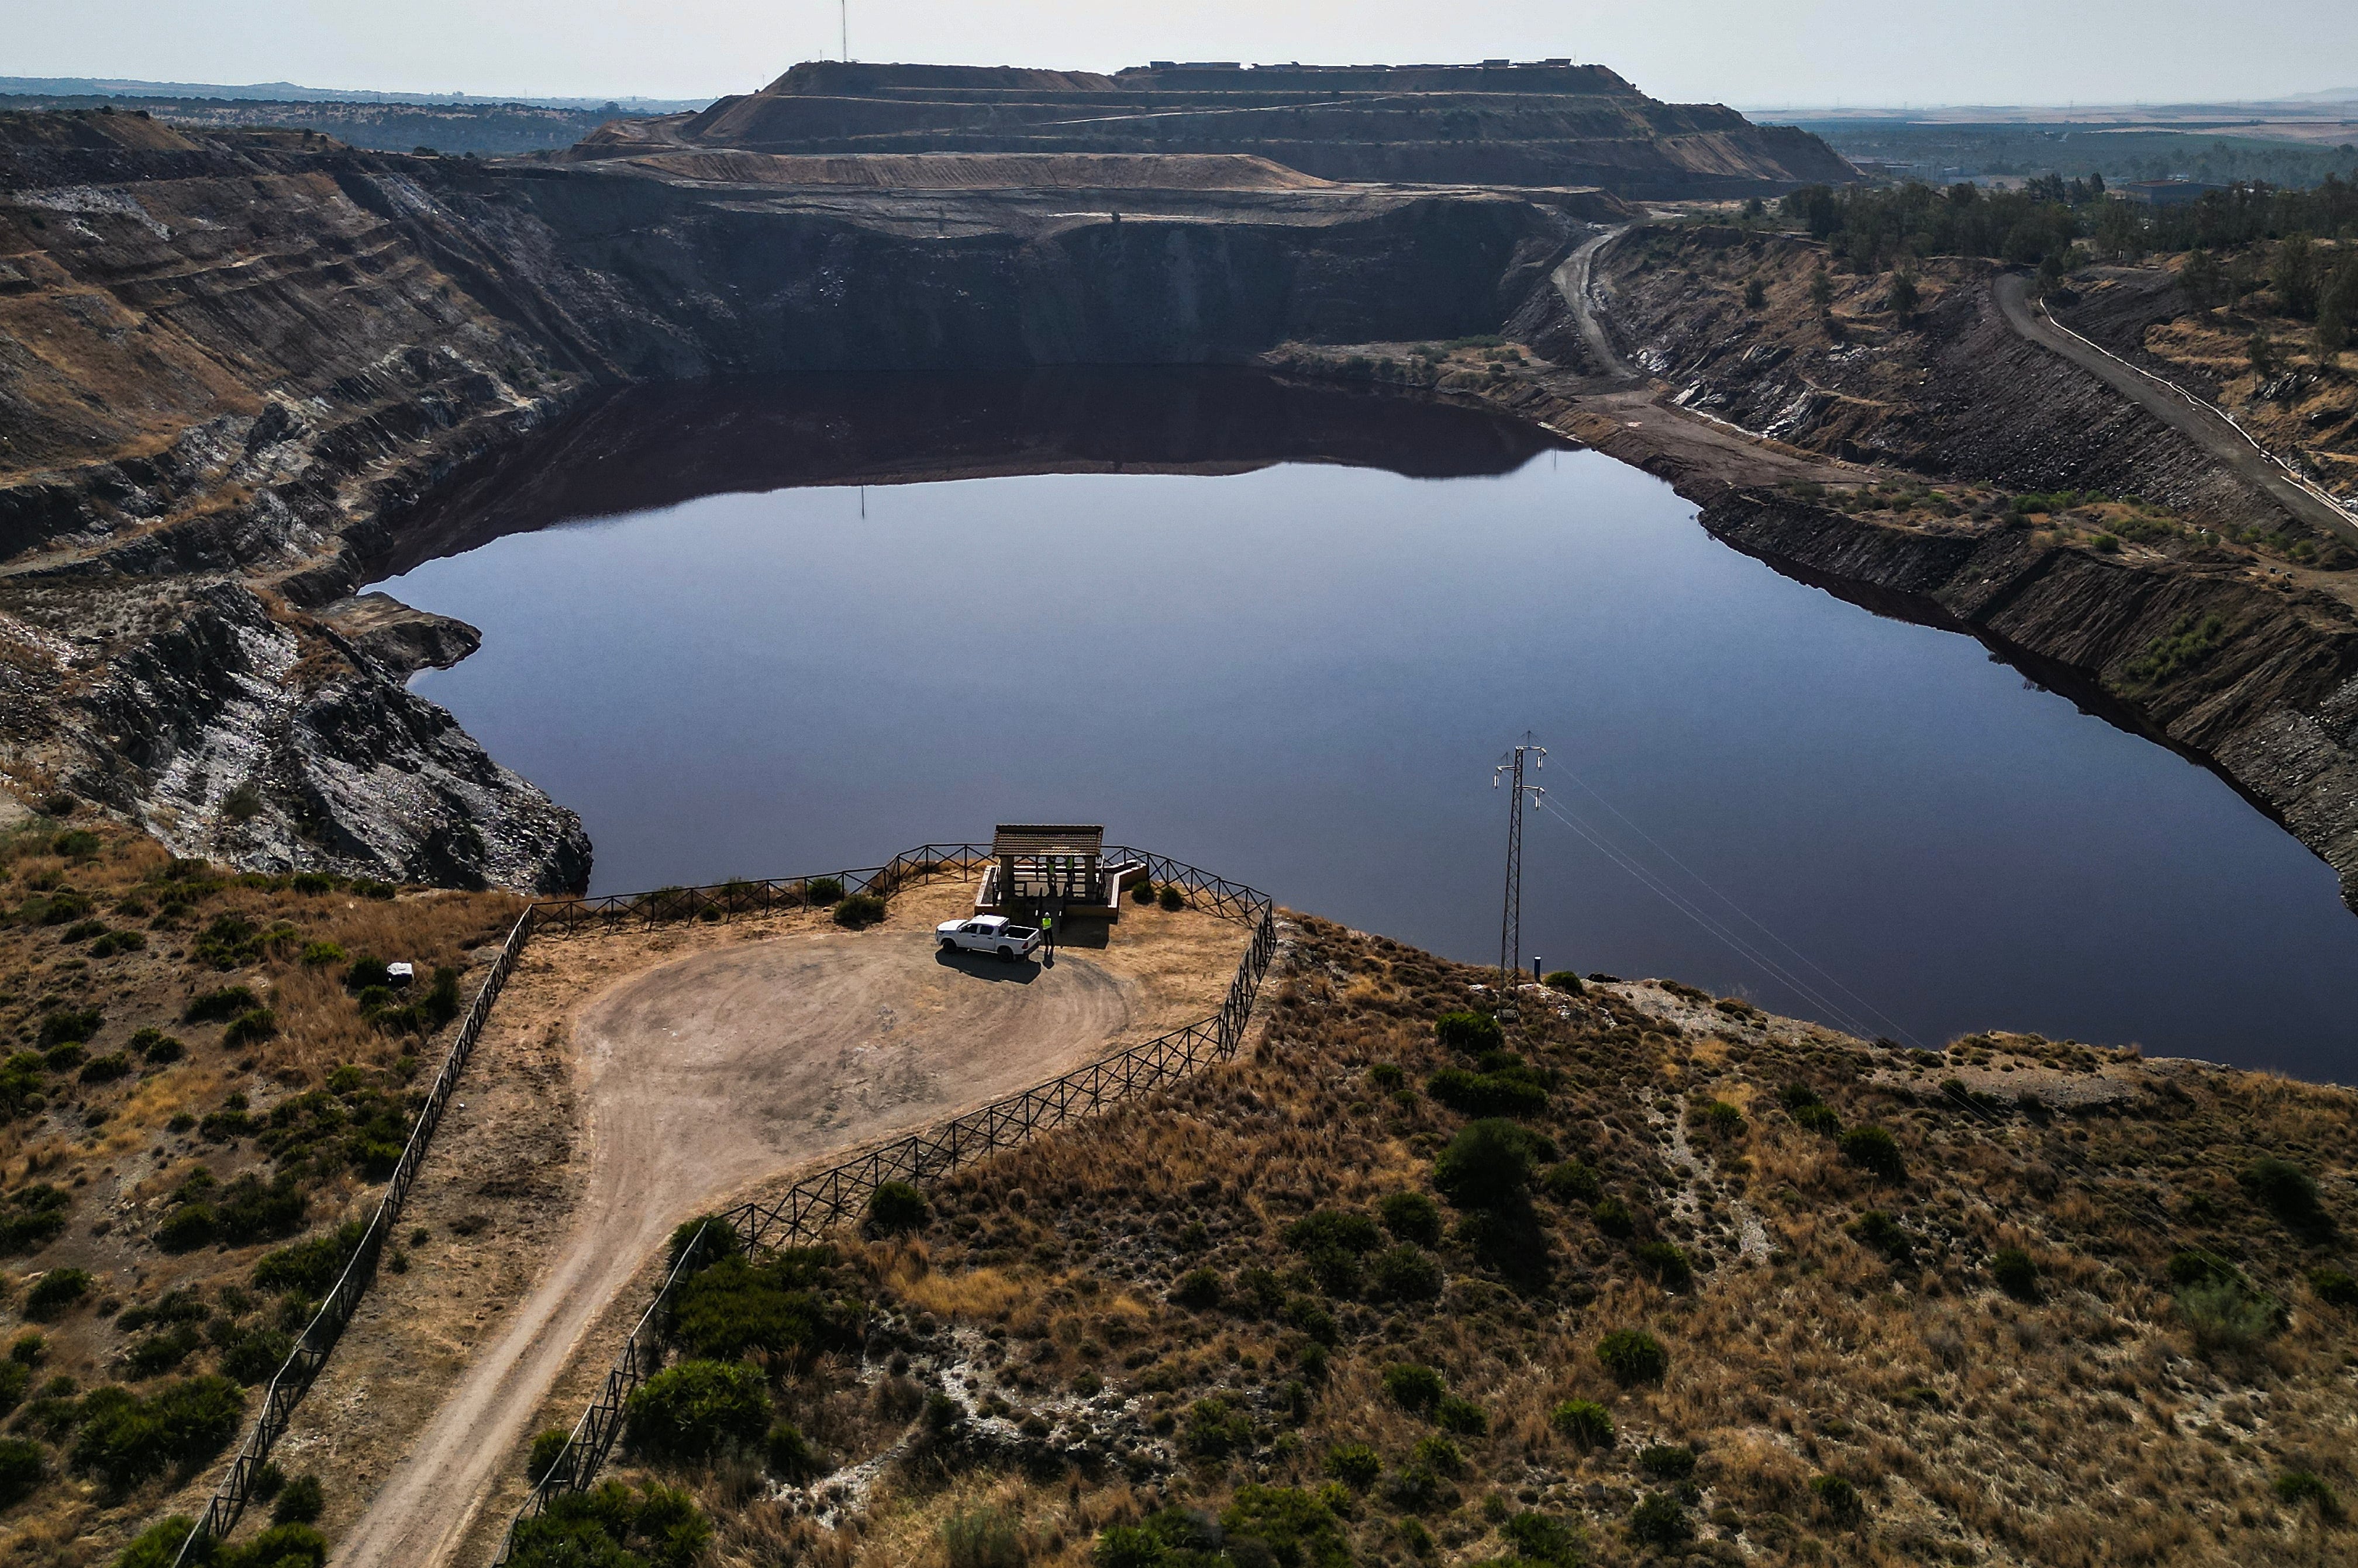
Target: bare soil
pixel 629 1082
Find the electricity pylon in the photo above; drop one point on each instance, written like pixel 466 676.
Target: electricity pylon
pixel 1510 925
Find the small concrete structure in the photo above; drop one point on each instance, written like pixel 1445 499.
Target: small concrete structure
pixel 1052 868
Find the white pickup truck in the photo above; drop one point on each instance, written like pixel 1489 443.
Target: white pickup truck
pixel 988 933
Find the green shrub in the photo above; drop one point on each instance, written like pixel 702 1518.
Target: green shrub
pixel 696 1410
pixel 32 1217
pixel 106 1069
pixel 2191 1267
pixel 299 1501
pixel 1672 1462
pixel 859 911
pixel 216 1006
pixel 1572 1182
pixel 1488 1165
pixel 1632 1356
pixel 1461 1416
pixel 1333 1229
pixel 291 1545
pixel 64 1058
pixel 1355 1465
pixel 720 1239
pixel 1667 1263
pixel 896 1207
pixel 1884 1233
pixel 1412 1217
pixel 309 1267
pixel 1218 1427
pixel 790 1456
pixel 1172 897
pixel 114 942
pixel 1414 1386
pixel 24 1465
pixel 777 1307
pixel 158 1047
pixel 1293 1526
pixel 55 1291
pixel 1658 1520
pixel 2295 1488
pixel 157 1546
pixel 2015 1274
pixel 2287 1191
pixel 1566 980
pixel 1874 1150
pixel 2335 1287
pixel 1142 892
pixel 319 954
pixel 125 1440
pixel 1836 1495
pixel 1404 1274
pixel 1614 1218
pixel 1514 1090
pixel 1819 1119
pixel 68 1026
pixel 1198 1288
pixel 1538 1539
pixel 368 973
pixel 1723 1121
pixel 609 1527
pixel 548 1448
pixel 1584 1422
pixel 1472 1032
pixel 2227 1316
pixel 1387 1078
pixel 1794 1095
pixel 1438 1455
pixel 255 1354
pixel 985 1537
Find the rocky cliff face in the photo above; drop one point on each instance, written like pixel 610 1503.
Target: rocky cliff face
pixel 231 367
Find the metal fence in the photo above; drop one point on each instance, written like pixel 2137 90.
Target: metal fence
pixel 816 1203
pixel 294 1379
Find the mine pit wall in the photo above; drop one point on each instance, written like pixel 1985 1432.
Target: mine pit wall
pixel 259 355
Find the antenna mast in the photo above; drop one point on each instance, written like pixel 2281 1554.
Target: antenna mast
pixel 1510 924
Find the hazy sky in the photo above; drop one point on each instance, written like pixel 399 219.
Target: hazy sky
pixel 1738 51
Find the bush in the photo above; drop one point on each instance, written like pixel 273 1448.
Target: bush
pixel 255 1356
pixel 1198 1288
pixel 1658 1520
pixel 1461 1416
pixel 1355 1465
pixel 1413 1387
pixel 1572 1182
pixel 1584 1422
pixel 1472 1032
pixel 32 1217
pixel 1144 892
pixel 611 1528
pixel 1172 897
pixel 1218 1427
pixel 2287 1191
pixel 157 1546
pixel 1632 1356
pixel 1438 1455
pixel 1836 1495
pixel 1412 1217
pixel 1874 1150
pixel 1672 1462
pixel 107 1068
pixel 1332 1229
pixel 368 973
pixel 1723 1121
pixel 1293 1526
pixel 158 1047
pixel 2335 1287
pixel 984 1537
pixel 280 1546
pixel 2015 1274
pixel 2228 1317
pixel 1818 1119
pixel 309 1267
pixel 24 1465
pixel 216 1006
pixel 1884 1233
pixel 1487 1166
pixel 720 1240
pixel 1405 1274
pixel 1614 1218
pixel 124 1439
pixel 1667 1263
pixel 1566 980
pixel 2295 1488
pixel 55 1291
pixel 76 844
pixel 859 911
pixel 738 1307
pixel 696 1411
pixel 790 1454
pixel 547 1447
pixel 68 1026
pixel 319 954
pixel 300 1501
pixel 896 1207
pixel 1515 1091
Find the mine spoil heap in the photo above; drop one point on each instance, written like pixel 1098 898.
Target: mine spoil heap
pixel 1535 125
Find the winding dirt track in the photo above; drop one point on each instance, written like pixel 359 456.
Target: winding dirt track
pixel 1577 281
pixel 707 1075
pixel 2206 427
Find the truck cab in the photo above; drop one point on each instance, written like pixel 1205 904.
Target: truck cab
pixel 988 933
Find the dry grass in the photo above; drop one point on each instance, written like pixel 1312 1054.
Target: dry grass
pixel 2080 1428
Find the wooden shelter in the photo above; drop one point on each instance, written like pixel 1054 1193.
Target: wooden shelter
pixel 1052 866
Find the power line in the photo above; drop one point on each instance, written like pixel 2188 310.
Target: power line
pixel 1510 923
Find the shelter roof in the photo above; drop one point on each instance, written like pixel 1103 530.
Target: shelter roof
pixel 1048 839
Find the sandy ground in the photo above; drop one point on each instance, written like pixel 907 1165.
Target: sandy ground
pixel 629 1081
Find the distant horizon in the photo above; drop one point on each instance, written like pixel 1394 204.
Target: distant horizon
pixel 113 85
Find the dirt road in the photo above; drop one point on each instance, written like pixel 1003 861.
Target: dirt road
pixel 2209 429
pixel 701 1077
pixel 1575 280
